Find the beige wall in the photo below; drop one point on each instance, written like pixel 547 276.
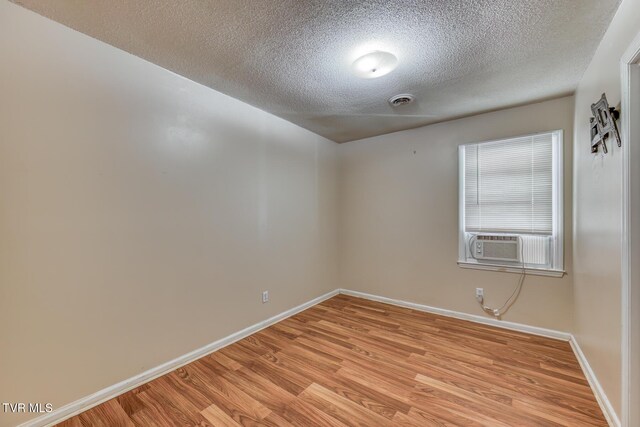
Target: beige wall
pixel 399 217
pixel 141 214
pixel 598 212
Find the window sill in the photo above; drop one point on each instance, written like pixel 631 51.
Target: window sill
pixel 508 269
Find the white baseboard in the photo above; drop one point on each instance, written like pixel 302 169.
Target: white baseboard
pixel 103 395
pixel 549 333
pixel 601 397
pixel 88 402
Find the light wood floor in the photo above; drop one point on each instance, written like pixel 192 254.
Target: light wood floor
pixel 349 361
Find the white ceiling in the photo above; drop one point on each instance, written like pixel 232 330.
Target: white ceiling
pixel 293 57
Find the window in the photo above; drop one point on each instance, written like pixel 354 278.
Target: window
pixel 510 204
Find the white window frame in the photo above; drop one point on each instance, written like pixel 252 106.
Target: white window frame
pixel 557 247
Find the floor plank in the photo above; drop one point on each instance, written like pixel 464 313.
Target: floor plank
pixel 351 362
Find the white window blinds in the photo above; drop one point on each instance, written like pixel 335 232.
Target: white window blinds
pixel 508 185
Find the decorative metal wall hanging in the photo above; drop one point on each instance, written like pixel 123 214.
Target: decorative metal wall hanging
pixel 603 125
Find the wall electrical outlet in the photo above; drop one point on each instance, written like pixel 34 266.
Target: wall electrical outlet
pixel 265 296
pixel 479 294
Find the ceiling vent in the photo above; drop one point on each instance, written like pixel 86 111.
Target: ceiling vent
pixel 402 99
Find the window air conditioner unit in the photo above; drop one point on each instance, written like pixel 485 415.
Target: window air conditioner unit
pixel 488 247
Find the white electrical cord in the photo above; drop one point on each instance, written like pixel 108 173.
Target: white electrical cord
pixel 499 312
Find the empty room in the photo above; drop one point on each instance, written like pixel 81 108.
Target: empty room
pixel 320 213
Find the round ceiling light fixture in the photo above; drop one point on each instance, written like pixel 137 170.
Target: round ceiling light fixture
pixel 374 64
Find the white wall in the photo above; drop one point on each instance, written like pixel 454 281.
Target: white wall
pixel 141 214
pixel 598 212
pixel 399 217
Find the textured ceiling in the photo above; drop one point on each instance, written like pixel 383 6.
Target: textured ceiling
pixel 293 57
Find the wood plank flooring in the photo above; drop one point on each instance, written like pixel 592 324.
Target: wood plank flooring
pixel 354 362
